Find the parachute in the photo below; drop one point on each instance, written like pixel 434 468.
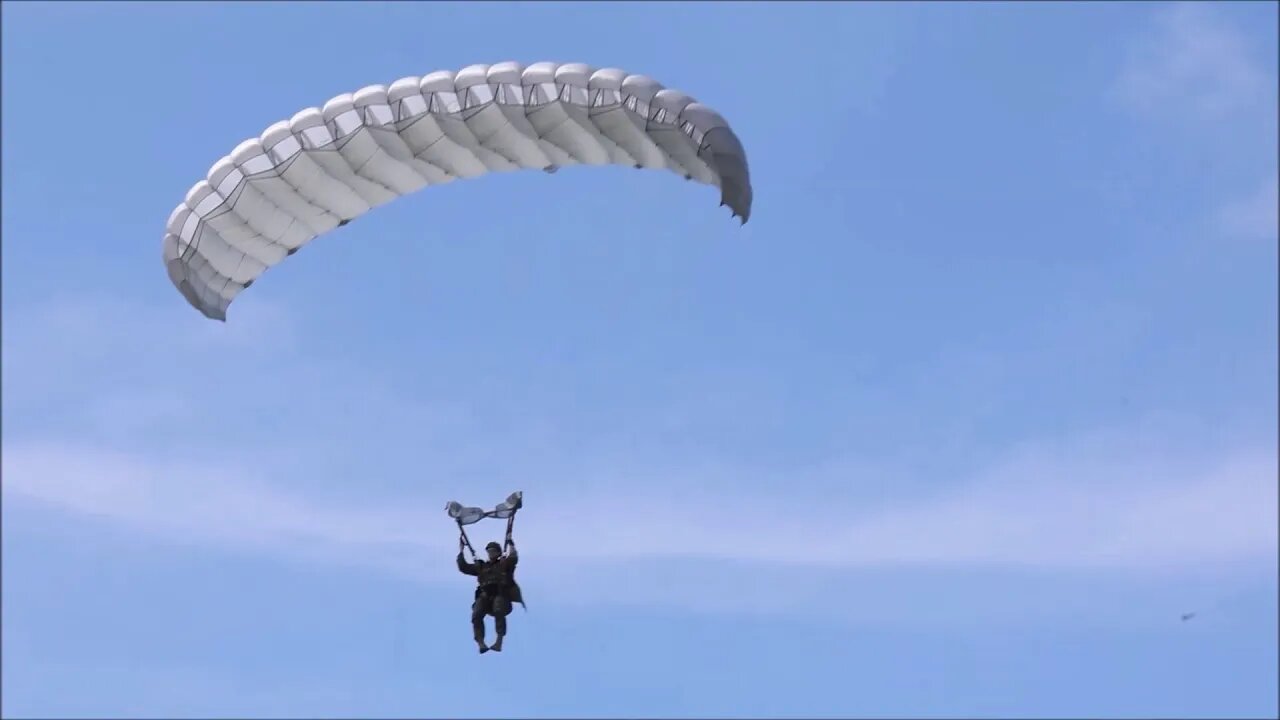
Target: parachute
pixel 324 167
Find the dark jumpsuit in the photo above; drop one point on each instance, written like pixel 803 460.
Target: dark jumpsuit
pixel 495 587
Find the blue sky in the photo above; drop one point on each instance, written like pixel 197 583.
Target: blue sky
pixel 981 399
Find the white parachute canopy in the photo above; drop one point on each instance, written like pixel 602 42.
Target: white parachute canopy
pixel 326 166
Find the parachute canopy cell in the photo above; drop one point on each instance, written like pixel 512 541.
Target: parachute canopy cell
pixel 326 166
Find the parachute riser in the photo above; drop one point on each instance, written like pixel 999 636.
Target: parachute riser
pixel 467 515
pixel 467 541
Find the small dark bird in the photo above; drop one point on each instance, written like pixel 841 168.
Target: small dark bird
pixel 1187 616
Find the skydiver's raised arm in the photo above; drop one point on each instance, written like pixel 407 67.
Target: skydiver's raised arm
pixel 467 568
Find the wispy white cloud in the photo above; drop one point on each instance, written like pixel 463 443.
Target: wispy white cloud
pixel 1192 61
pixel 1046 509
pixel 1254 216
pixel 1126 501
pixel 1195 65
pixel 214 505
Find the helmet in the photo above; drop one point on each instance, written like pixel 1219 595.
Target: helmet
pixel 493 546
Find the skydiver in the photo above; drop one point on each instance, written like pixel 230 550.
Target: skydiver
pixel 496 590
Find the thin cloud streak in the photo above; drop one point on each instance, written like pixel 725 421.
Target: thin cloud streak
pixel 1128 501
pixel 1040 512
pixel 1192 61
